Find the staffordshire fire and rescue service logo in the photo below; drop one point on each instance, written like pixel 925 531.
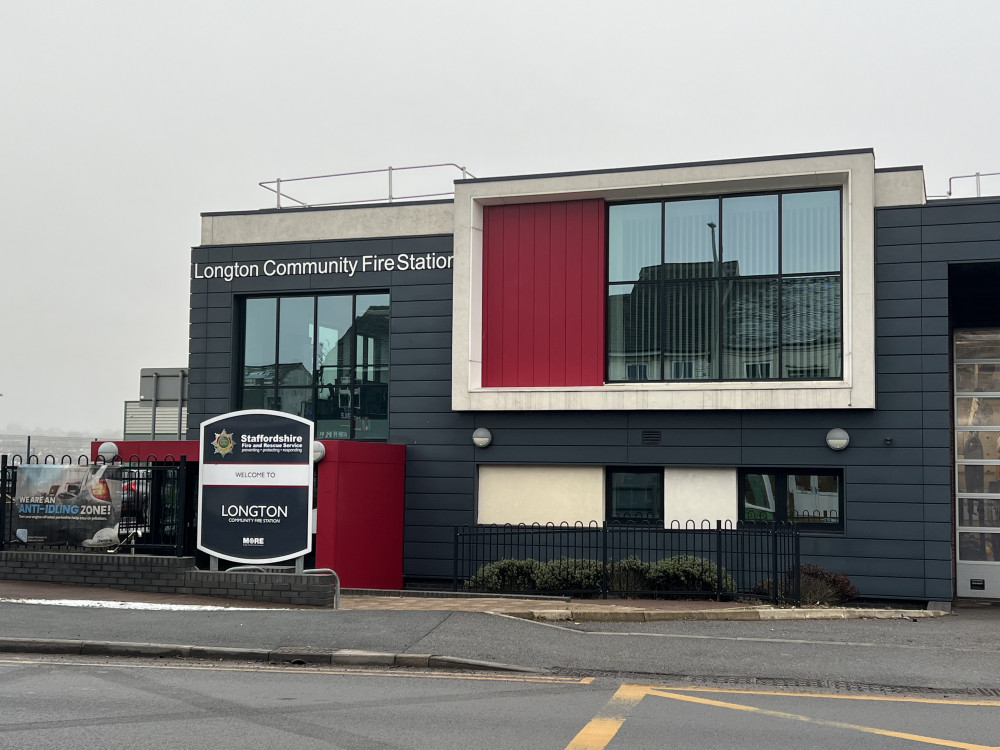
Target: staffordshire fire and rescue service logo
pixel 223 443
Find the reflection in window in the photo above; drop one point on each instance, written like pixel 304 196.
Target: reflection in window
pixel 803 497
pixel 635 494
pixel 323 358
pixel 735 288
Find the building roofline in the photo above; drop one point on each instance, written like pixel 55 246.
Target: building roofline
pixel 652 167
pixel 337 207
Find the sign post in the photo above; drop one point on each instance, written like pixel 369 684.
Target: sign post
pixel 255 487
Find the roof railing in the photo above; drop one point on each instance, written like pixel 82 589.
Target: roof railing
pixel 978 176
pixel 278 186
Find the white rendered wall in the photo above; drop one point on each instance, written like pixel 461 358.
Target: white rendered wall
pixel 700 493
pixel 540 494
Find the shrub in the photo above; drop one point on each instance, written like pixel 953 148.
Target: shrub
pixel 628 577
pixel 506 577
pixel 813 576
pixel 688 573
pixel 570 575
pixel 816 586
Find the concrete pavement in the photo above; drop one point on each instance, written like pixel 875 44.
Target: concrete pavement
pixel 32 629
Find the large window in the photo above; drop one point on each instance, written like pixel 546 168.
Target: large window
pixel 810 498
pixel 324 358
pixel 634 494
pixel 726 288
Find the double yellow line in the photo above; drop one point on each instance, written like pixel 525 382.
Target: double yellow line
pixel 603 728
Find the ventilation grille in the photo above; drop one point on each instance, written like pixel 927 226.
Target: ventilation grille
pixel 650 437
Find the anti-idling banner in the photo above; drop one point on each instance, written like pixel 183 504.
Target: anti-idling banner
pixel 59 503
pixel 255 486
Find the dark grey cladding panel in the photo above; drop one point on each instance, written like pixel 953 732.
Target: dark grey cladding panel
pixel 962 252
pixel 719 421
pixel 931 308
pixel 518 421
pixel 887 290
pixel 421 278
pixel 592 455
pixel 419 340
pixel 898 308
pixel 859 494
pixel 899 382
pixel 441 468
pixel 431 535
pixel 897 327
pixel 217 375
pixel 831 546
pixel 442 420
pixel 427 549
pixel 935 344
pixel 895 345
pixel 421 308
pixel 900 363
pixel 934 326
pixel 436 324
pixel 346 249
pixel 639 455
pixel 418 404
pixel 198 315
pixel 951 213
pixel 260 253
pixel 405 388
pixel 557 434
pixel 419 372
pixel 814 456
pixel 431 430
pixel 421 356
pixel 897 236
pixel 422 292
pixel 197 346
pixel 451 485
pixel 907 401
pixel 440 516
pixel 889 512
pixel 430 501
pixel 887 272
pixel 988 231
pixel 441 243
pixel 898 254
pixel 934 270
pixel 897 217
pixel 930 288
pixel 434 453
pixel 689 437
pixel 219 254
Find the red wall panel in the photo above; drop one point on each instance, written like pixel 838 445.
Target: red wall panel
pixel 543 294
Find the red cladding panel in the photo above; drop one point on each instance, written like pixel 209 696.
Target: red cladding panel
pixel 543 294
pixel 359 515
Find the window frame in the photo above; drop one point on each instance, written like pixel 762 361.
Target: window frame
pixel 782 476
pixel 609 503
pixel 358 371
pixel 778 363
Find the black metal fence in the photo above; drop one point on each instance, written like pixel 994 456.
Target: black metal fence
pixel 721 560
pixel 138 506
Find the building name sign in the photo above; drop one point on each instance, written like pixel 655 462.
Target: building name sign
pixel 342 265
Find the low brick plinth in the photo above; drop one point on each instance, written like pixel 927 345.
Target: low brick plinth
pixel 165 575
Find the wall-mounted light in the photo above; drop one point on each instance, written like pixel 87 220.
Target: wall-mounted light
pixel 482 437
pixel 107 451
pixel 837 439
pixel 319 451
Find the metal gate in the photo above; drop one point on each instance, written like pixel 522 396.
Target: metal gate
pixel 139 506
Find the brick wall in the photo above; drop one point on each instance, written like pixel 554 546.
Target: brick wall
pixel 165 575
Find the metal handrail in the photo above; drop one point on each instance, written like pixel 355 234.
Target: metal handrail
pixel 978 177
pixel 278 182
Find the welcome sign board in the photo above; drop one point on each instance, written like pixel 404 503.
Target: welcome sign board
pixel 255 486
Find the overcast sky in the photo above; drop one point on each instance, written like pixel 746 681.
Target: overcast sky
pixel 122 121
